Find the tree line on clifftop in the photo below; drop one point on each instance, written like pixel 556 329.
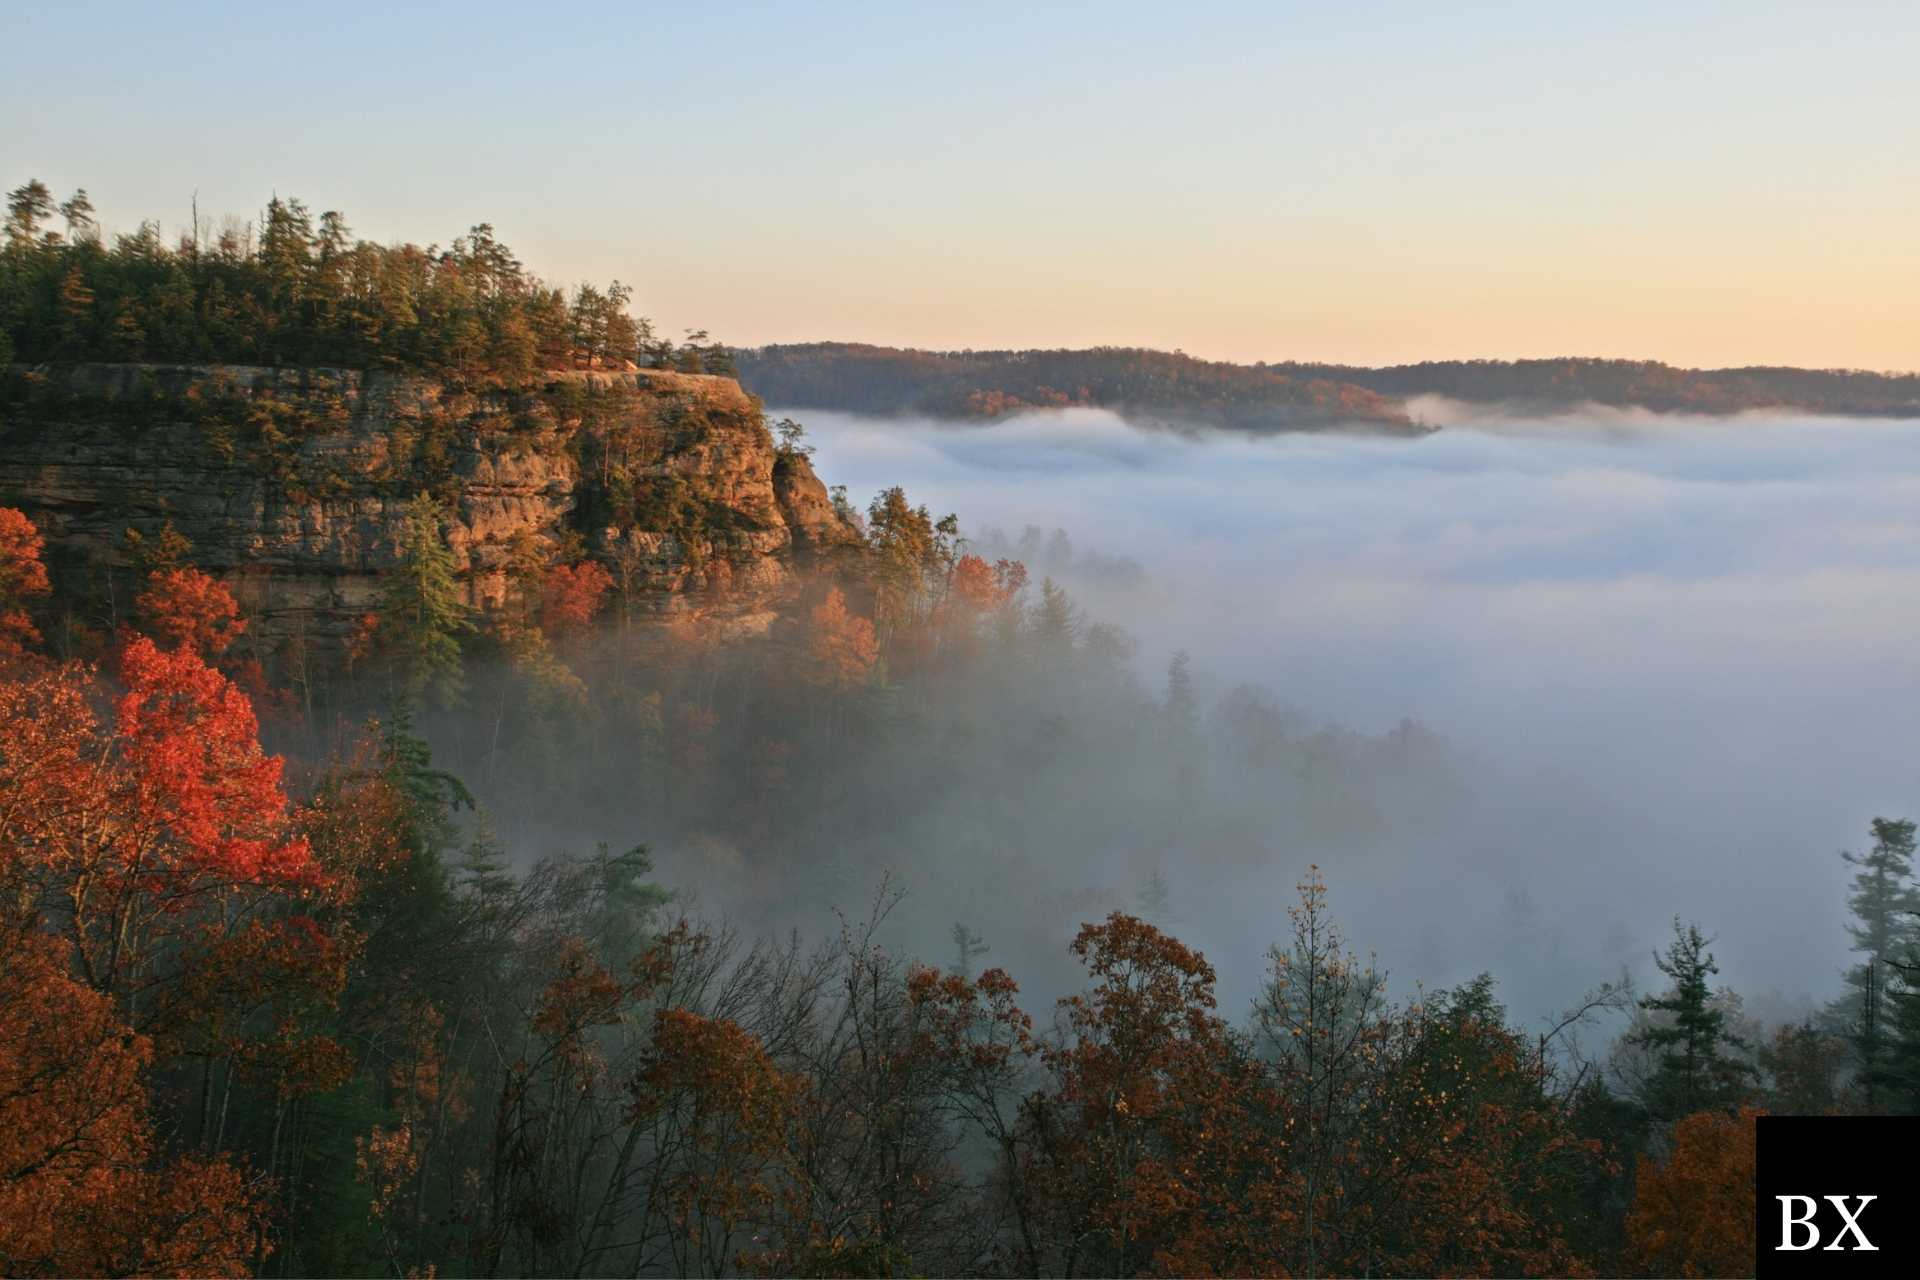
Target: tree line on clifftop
pixel 293 288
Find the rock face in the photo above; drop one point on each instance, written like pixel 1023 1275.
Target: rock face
pixel 289 484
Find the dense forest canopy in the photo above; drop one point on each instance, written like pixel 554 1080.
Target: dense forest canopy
pixel 1178 388
pixel 343 1014
pixel 323 1019
pixel 293 288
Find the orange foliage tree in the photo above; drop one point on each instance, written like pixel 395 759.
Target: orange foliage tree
pixel 185 608
pixel 1358 1139
pixel 81 1192
pixel 977 590
pixel 571 596
pixel 22 577
pixel 1693 1216
pixel 157 885
pixel 841 649
pixel 1137 1157
pixel 717 1109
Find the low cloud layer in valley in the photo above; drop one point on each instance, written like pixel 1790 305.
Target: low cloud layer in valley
pixel 1679 652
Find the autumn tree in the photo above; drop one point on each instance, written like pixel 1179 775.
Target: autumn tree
pixel 161 847
pixel 978 593
pixel 149 864
pixel 1138 1146
pixel 572 595
pixel 1805 1066
pixel 1693 1215
pixel 718 1110
pixel 841 649
pixel 907 1072
pixel 22 578
pixel 190 609
pixel 83 1190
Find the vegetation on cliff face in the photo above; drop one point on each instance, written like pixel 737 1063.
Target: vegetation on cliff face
pixel 1179 389
pixel 293 485
pixel 294 289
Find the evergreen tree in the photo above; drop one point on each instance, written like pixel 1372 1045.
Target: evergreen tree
pixel 78 213
pixel 1693 1070
pixel 28 205
pixel 1182 702
pixel 1894 1079
pixel 422 613
pixel 303 291
pixel 1056 623
pixel 1155 900
pixel 968 946
pixel 1885 928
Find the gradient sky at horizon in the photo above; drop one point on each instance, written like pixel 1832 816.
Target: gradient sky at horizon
pixel 1705 183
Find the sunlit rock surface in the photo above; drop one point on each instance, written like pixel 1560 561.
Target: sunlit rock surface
pixel 289 484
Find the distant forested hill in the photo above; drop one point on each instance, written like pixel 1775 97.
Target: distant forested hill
pixel 1279 397
pixel 1567 382
pixel 989 384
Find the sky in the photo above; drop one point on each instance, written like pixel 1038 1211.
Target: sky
pixel 1679 646
pixel 1370 182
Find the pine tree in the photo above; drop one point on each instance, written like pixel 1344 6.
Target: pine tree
pixel 28 206
pixel 1886 927
pixel 78 213
pixel 968 946
pixel 1893 1079
pixel 1155 900
pixel 422 613
pixel 1182 703
pixel 1055 623
pixel 1692 1070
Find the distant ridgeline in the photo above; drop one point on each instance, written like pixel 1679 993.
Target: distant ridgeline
pixel 1174 387
pixel 1157 385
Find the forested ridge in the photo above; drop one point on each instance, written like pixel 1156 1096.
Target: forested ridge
pixel 1285 395
pixel 1168 386
pixel 294 288
pixel 560 938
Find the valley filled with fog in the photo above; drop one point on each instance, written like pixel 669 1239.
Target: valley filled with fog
pixel 1669 657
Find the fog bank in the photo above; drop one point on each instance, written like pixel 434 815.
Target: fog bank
pixel 1683 647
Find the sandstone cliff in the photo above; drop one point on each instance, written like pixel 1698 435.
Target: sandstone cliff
pixel 288 483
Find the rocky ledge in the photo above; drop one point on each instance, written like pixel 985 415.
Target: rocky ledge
pixel 289 484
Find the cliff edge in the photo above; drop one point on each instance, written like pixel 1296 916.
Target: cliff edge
pixel 289 484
